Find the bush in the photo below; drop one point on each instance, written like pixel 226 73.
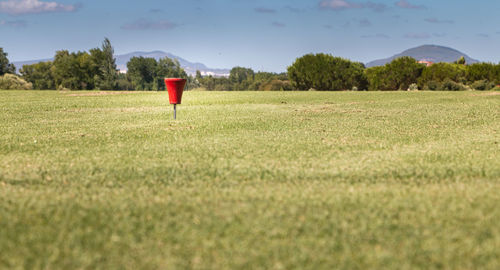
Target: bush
pixel 39 74
pixel 452 86
pixel 14 82
pixel 482 71
pixel 441 72
pixel 276 85
pixel 377 78
pixel 483 85
pixel 402 72
pixel 413 87
pixel 433 86
pixel 326 72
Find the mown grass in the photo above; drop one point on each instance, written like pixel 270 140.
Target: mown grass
pixel 250 180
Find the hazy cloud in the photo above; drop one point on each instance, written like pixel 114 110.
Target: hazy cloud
pixel 384 36
pixel 328 26
pixel 16 24
pixel 344 4
pixel 156 10
pixel 375 6
pixel 294 9
pixel 346 25
pixel 19 7
pixel 143 24
pixel 417 35
pixel 338 4
pixel 439 34
pixel 436 20
pixel 483 35
pixel 406 4
pixel 365 23
pixel 278 24
pixel 265 10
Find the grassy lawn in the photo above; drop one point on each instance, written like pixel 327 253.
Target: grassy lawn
pixel 250 180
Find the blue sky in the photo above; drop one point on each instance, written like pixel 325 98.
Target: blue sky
pixel 261 34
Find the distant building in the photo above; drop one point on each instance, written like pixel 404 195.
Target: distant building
pixel 427 63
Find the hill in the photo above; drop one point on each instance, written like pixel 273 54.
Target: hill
pixel 122 59
pixel 433 53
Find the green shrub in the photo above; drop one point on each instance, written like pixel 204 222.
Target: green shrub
pixel 483 85
pixel 276 85
pixel 326 72
pixel 433 85
pixel 14 82
pixel 413 87
pixel 452 86
pixel 441 72
pixel 402 72
pixel 482 71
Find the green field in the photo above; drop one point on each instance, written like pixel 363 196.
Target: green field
pixel 250 180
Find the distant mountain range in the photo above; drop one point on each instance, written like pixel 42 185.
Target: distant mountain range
pixel 432 53
pixel 122 60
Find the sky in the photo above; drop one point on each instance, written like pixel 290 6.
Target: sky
pixel 265 35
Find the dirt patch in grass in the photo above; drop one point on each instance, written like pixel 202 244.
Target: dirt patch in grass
pixel 101 93
pixel 323 109
pixel 129 109
pixel 486 94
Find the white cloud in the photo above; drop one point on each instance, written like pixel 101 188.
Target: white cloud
pixel 408 5
pixel 436 20
pixel 20 7
pixel 338 4
pixel 344 4
pixel 278 24
pixel 16 24
pixel 376 36
pixel 265 10
pixel 417 35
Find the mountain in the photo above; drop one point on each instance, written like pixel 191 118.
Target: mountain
pixel 432 53
pixel 121 63
pixel 20 64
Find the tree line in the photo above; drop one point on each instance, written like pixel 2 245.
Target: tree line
pixel 325 72
pixel 96 69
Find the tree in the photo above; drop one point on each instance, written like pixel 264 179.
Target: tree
pixel 167 68
pixel 149 74
pixel 75 71
pixel 377 78
pixel 461 61
pixel 124 82
pixel 240 78
pixel 5 66
pixel 482 71
pixel 433 76
pixel 402 72
pixel 39 75
pixel 208 82
pixel 141 72
pixel 325 72
pixel 107 76
pixel 240 74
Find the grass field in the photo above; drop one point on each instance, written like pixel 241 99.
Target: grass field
pixel 250 180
